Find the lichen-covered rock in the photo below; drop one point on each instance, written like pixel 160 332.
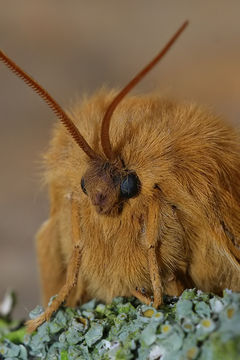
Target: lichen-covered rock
pixel 194 326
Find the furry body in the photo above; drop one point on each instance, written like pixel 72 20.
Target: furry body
pixel 188 162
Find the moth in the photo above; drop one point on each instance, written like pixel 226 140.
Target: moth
pixel 144 194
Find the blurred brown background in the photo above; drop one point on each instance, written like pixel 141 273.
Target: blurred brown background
pixel 73 47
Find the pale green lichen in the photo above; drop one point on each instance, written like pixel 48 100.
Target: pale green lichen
pixel 195 326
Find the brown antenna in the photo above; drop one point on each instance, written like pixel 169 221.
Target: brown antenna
pixel 67 122
pixel 107 117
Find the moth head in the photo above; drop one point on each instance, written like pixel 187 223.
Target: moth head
pixel 109 185
pixel 107 182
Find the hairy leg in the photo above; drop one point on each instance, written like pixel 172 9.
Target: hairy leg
pixel 71 277
pixel 52 269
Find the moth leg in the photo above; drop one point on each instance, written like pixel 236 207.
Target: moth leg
pixel 71 278
pixel 52 269
pixel 174 286
pixel 152 257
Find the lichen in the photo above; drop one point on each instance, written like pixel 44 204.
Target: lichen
pixel 194 326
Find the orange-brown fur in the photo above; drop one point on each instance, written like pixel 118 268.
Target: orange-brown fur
pixel 188 162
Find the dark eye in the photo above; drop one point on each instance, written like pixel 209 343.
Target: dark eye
pixel 130 186
pixel 83 186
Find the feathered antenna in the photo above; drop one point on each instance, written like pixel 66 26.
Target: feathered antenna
pixel 106 145
pixel 64 118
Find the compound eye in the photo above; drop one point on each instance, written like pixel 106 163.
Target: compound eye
pixel 83 186
pixel 130 186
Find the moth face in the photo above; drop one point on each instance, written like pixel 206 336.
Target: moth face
pixel 109 186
